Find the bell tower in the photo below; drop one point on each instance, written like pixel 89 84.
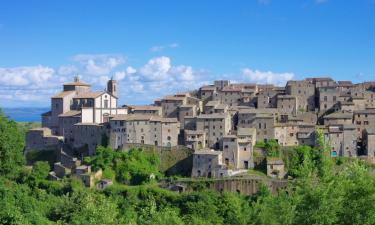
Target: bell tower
pixel 112 87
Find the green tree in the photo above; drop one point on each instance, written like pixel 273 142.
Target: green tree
pixel 272 148
pixel 11 147
pixel 40 170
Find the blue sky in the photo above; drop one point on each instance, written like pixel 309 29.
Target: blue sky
pixel 155 48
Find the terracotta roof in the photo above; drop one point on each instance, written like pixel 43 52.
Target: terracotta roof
pixel 255 111
pixel 212 116
pixel 70 113
pixel 144 107
pixel 345 83
pixel 173 98
pixel 232 89
pixel 275 161
pixel 208 88
pixel 143 117
pixel 339 115
pixel 286 96
pixel 77 83
pixel 90 94
pixel 63 94
pixel 212 103
pixel 187 106
pixel 207 152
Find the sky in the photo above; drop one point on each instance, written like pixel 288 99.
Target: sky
pixel 155 48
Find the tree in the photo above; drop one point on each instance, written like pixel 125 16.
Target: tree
pixel 300 163
pixel 272 148
pixel 40 170
pixel 11 147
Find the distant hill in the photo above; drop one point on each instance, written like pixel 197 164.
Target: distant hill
pixel 25 114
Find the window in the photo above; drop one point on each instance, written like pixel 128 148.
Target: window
pixel 365 122
pixel 325 98
pixel 106 104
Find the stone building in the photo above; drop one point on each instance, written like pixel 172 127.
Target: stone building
pixel 305 93
pixel 145 109
pixel 215 126
pixel 287 104
pixel 364 119
pixel 338 118
pixel 306 134
pixel 42 139
pixel 238 149
pixel 143 129
pixel 207 93
pixel 207 163
pixel 275 168
pixel 286 134
pixel 195 139
pixel 328 97
pixel 170 106
pixel 369 142
pixel 342 139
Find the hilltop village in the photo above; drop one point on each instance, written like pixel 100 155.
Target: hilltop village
pixel 221 122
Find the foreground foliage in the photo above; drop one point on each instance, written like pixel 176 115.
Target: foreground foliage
pixel 318 195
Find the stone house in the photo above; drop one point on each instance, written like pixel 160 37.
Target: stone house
pixel 41 139
pixel 287 104
pixel 286 134
pixel 338 118
pixel 342 139
pixel 306 134
pixel 305 93
pixel 215 126
pixel 145 109
pixel 364 119
pixel 238 149
pixel 369 142
pixel 87 136
pixel 206 93
pixel 207 163
pixel 187 111
pixel 170 105
pixel 275 168
pixel 328 98
pixel 195 139
pixel 143 129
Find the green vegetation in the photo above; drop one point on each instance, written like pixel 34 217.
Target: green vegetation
pixel 48 155
pixel 25 126
pixel 133 167
pixel 319 194
pixel 11 147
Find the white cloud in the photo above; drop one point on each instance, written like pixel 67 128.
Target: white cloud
pixel 130 70
pixel 22 76
pixel 266 77
pixel 67 70
pixel 100 64
pixel 158 48
pixel 156 68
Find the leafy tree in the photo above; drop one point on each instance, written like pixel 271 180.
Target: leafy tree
pixel 300 162
pixel 272 148
pixel 11 147
pixel 40 170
